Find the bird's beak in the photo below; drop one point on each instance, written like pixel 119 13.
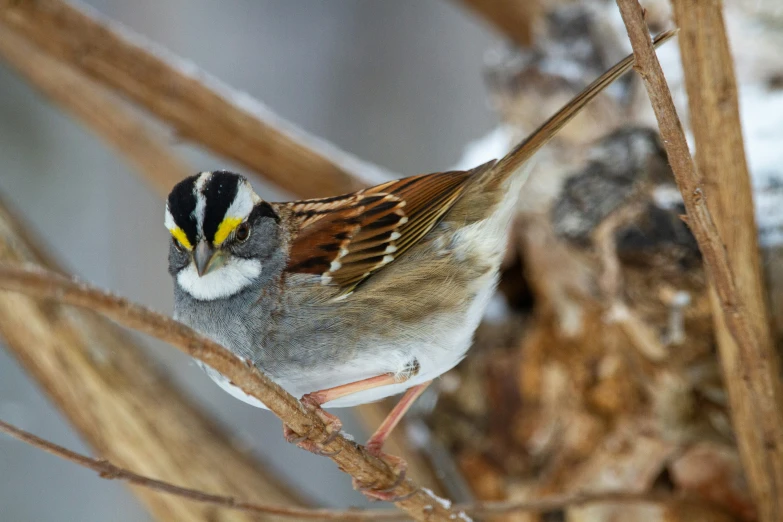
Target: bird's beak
pixel 206 258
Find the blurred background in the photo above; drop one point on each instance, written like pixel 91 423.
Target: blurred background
pixel 595 369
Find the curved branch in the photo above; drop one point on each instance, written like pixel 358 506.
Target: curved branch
pixel 110 471
pixel 349 456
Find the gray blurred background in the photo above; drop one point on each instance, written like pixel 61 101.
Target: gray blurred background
pixel 396 83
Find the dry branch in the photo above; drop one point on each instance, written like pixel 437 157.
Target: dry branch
pixel 750 364
pixel 102 113
pixel 111 471
pixel 751 371
pixel 350 457
pixel 122 406
pixel 107 470
pixel 197 106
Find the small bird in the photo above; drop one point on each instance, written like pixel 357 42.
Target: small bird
pixel 349 299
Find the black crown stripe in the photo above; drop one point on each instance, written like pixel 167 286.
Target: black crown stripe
pixel 182 205
pixel 219 192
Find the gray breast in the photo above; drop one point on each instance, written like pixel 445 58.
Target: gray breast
pixel 228 321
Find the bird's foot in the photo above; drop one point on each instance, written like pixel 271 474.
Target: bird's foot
pixel 333 428
pixel 398 465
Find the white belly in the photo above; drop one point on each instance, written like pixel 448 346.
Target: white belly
pixel 434 361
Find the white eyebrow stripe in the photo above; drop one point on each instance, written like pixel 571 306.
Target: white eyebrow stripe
pixel 169 221
pixel 243 202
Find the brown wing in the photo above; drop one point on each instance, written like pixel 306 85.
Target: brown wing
pixel 347 238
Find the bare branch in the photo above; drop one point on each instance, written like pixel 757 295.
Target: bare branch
pixel 107 470
pixel 751 369
pixel 110 471
pixel 198 106
pixel 750 363
pixel 105 115
pixel 350 457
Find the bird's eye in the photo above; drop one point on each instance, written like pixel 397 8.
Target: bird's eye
pixel 178 245
pixel 243 232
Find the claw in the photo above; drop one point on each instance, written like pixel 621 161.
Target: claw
pixel 384 494
pixel 400 467
pixel 333 428
pixel 333 424
pixel 294 438
pixel 363 487
pixel 323 453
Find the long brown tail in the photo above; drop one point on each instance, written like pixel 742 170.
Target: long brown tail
pixel 530 145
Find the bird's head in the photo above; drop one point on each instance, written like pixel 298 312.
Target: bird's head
pixel 221 234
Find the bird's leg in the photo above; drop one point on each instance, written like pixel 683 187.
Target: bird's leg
pixel 313 401
pixel 374 445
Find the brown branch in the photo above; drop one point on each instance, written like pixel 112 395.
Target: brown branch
pixel 751 369
pixel 107 470
pixel 349 457
pixel 513 18
pixel 82 359
pixel 750 363
pixel 110 471
pixel 197 106
pixel 102 113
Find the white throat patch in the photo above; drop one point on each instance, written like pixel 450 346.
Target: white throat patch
pixel 225 281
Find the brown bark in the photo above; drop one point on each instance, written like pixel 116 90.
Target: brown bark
pixel 751 371
pixel 725 231
pixel 120 403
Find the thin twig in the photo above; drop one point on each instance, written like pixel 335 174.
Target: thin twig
pixel 102 113
pixel 751 365
pixel 198 106
pixel 107 470
pixel 110 471
pixel 349 457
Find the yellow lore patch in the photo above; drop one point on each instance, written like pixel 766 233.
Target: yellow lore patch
pixel 180 236
pixel 226 227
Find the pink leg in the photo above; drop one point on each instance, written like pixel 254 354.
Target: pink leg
pixel 314 400
pixel 375 444
pixel 323 396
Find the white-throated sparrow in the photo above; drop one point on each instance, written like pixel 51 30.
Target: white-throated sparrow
pixel 349 299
